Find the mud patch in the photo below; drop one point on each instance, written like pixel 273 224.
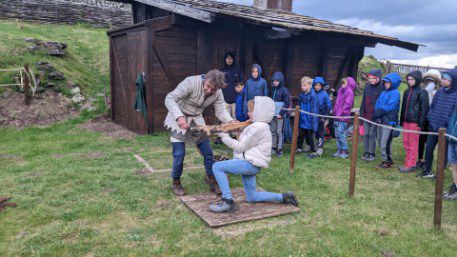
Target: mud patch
pixel 104 125
pixel 88 155
pixel 44 109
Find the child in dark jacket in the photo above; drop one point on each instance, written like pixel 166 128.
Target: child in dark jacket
pixel 239 104
pixel 281 96
pixel 370 96
pixel 343 105
pixel 413 113
pixel 438 115
pixel 324 107
pixel 386 113
pixel 308 124
pixel 452 154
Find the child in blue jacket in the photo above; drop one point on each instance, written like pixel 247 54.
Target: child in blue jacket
pixel 324 107
pixel 255 86
pixel 386 112
pixel 240 115
pixel 308 123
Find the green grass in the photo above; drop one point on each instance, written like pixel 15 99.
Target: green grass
pixel 86 60
pixel 74 201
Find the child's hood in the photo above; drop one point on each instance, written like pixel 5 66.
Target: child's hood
pixel 319 80
pixel 258 68
pixel 279 77
pixel 264 109
pixel 417 75
pixel 453 74
pixel 352 85
pixel 394 78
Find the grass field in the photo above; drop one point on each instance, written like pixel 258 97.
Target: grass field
pixel 79 194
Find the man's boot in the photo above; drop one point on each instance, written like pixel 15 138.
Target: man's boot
pixel 177 188
pixel 213 186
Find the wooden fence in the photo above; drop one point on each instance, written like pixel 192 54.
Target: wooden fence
pixel 404 69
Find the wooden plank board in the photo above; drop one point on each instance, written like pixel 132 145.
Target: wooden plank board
pixel 199 204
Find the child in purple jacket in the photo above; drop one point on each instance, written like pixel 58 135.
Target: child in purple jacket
pixel 343 105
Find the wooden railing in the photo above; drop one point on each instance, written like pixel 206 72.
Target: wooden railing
pixel 404 69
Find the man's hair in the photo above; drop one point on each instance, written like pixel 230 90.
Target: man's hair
pixel 216 78
pixel 306 80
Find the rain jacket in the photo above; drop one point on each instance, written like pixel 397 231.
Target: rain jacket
pixel 345 100
pixel 233 74
pixel 388 104
pixel 239 107
pixel 279 94
pixel 255 87
pixel 308 102
pixel 452 125
pixel 370 96
pixel 323 100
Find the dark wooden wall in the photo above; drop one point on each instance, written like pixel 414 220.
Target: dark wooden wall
pixel 170 48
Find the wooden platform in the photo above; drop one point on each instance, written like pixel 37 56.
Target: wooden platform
pixel 199 204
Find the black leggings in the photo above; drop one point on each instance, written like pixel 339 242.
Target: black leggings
pixel 422 140
pixel 309 135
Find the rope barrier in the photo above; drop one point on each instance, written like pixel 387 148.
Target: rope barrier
pixel 374 123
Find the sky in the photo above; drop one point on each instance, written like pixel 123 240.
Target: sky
pixel 429 23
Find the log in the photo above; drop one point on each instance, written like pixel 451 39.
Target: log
pixel 212 129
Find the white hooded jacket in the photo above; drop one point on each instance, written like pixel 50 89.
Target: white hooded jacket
pixel 254 143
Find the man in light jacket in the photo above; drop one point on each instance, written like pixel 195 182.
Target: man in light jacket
pixel 185 106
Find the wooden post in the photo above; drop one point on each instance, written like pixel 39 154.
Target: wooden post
pixel 440 177
pixel 27 96
pixel 293 148
pixel 355 143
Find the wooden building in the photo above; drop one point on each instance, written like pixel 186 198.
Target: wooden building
pixel 173 39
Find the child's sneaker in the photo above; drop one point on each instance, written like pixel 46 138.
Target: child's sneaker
pixel 337 154
pixel 404 169
pixel 224 205
pixel 385 165
pixel 370 158
pixel 452 194
pixel 365 156
pixel 307 148
pixel 273 151
pixel 420 164
pixel 426 174
pixel 344 154
pixel 279 153
pixel 320 151
pixel 298 151
pixel 312 155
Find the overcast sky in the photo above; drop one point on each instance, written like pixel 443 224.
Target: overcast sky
pixel 431 23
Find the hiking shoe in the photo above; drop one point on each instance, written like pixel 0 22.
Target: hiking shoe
pixel 370 157
pixel 452 194
pixel 426 174
pixel 337 154
pixel 365 156
pixel 289 198
pixel 224 205
pixel 212 183
pixel 177 188
pixel 279 153
pixel 344 154
pixel 385 165
pixel 312 155
pixel 320 151
pixel 404 169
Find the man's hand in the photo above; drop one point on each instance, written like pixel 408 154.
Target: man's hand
pixel 279 116
pixel 182 123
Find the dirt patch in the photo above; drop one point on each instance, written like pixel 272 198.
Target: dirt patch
pixel 88 155
pixel 388 254
pixel 44 109
pixel 104 124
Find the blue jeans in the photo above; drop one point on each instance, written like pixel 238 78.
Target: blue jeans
pixel 179 152
pixel 340 131
pixel 248 173
pixel 287 128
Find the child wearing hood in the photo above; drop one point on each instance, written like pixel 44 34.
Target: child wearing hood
pixel 240 90
pixel 324 107
pixel 343 106
pixel 308 123
pixel 430 82
pixel 255 86
pixel 452 155
pixel 386 113
pixel 370 95
pixel 414 110
pixel 251 152
pixel 281 96
pixel 438 116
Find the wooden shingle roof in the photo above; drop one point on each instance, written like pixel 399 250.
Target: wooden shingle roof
pixel 208 11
